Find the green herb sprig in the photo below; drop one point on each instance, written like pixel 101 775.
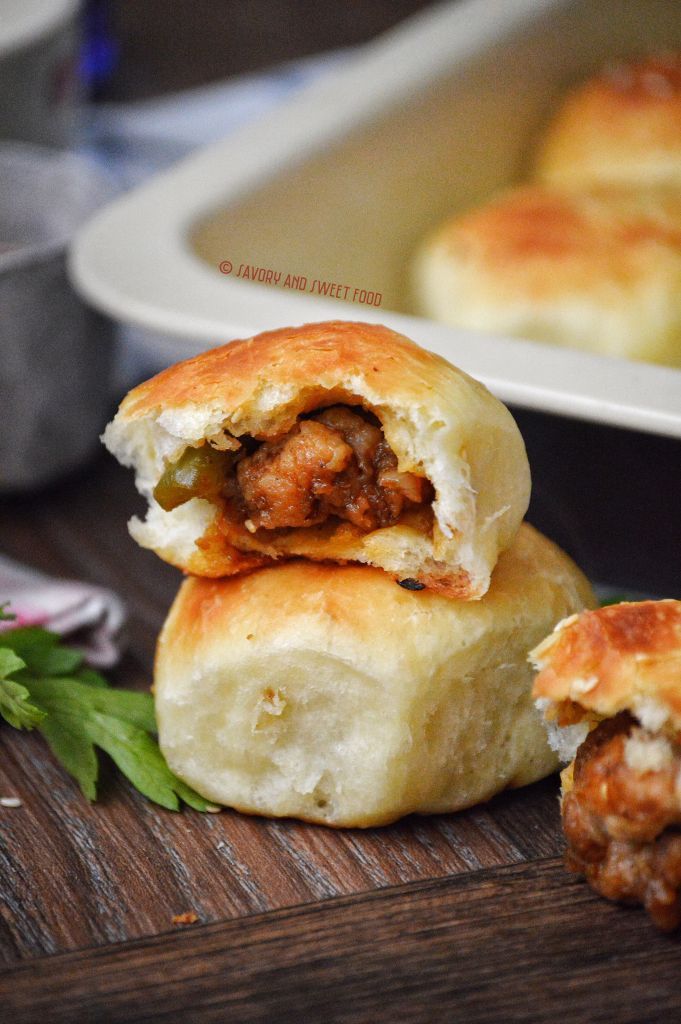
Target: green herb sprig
pixel 45 685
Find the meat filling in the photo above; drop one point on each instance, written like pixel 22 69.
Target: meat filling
pixel 623 824
pixel 335 462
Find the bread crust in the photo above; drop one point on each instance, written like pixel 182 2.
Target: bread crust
pixel 334 695
pixel 624 657
pixel 440 423
pixel 621 126
pixel 598 270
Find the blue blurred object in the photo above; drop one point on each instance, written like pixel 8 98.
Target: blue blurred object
pixel 100 51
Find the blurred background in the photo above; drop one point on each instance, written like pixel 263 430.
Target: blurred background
pixel 99 96
pixel 161 46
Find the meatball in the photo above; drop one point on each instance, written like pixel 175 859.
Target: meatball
pixel 623 824
pixel 335 463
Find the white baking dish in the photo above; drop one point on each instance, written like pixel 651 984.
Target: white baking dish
pixel 341 183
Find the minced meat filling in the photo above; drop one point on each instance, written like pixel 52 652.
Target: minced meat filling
pixel 335 462
pixel 623 825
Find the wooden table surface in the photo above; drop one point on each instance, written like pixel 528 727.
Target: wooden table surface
pixel 467 917
pixel 460 917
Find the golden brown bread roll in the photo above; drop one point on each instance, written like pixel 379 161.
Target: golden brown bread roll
pixel 337 440
pixel 621 127
pixel 598 270
pixel 332 694
pixel 610 686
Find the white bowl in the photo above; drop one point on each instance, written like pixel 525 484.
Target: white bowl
pixel 340 184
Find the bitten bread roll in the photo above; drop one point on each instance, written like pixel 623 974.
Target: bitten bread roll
pixel 599 271
pixel 339 441
pixel 332 694
pixel 610 685
pixel 621 127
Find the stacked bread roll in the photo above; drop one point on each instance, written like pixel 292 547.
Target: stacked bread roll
pixel 351 643
pixel 588 253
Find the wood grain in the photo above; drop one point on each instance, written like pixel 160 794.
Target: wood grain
pixel 76 875
pixel 508 944
pixel 504 926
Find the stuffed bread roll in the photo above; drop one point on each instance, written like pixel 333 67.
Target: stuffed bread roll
pixel 332 694
pixel 610 686
pixel 340 441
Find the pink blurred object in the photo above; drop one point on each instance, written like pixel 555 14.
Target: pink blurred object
pixel 89 618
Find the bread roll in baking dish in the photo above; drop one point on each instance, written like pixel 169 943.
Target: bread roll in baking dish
pixel 332 694
pixel 341 441
pixel 620 127
pixel 597 270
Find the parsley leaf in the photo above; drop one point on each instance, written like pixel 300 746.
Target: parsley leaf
pixel 15 706
pixel 140 759
pixel 77 711
pixel 41 650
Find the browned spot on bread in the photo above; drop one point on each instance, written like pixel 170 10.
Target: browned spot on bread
pixel 656 79
pixel 610 659
pixel 527 222
pixel 646 626
pixel 233 371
